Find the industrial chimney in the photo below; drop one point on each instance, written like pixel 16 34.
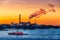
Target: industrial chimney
pixel 19 18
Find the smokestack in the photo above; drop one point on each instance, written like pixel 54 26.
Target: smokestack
pixel 35 21
pixel 19 18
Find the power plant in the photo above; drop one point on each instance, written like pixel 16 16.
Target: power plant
pixel 27 25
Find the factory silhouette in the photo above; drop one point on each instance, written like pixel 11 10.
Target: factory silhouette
pixel 26 25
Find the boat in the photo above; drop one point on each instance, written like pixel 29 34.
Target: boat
pixel 17 33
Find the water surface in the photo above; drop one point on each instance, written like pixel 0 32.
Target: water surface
pixel 37 34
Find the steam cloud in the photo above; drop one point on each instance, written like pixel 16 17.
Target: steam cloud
pixel 51 7
pixel 43 11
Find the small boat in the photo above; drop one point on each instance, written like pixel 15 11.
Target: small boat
pixel 17 33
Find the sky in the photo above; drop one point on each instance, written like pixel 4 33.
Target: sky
pixel 10 10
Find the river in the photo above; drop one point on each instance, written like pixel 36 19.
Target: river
pixel 36 34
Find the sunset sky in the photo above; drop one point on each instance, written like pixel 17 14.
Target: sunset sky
pixel 10 9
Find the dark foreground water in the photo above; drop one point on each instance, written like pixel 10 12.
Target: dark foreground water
pixel 37 34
